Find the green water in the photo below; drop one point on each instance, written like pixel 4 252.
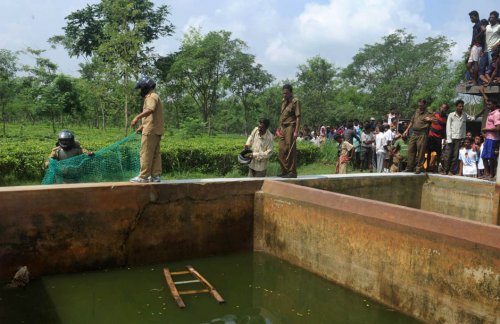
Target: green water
pixel 257 288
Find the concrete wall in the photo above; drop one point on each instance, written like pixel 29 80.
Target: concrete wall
pixel 461 197
pixel 436 268
pixel 67 228
pixel 401 189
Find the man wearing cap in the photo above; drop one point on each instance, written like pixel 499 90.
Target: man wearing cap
pixel 261 143
pixel 417 145
pixel 289 125
pixel 152 130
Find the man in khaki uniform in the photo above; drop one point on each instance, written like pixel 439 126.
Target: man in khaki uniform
pixel 289 124
pixel 152 129
pixel 420 123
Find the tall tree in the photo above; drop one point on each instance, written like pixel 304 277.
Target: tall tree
pixel 247 80
pixel 8 70
pixel 40 84
pixel 202 64
pixel 117 32
pixel 397 71
pixel 317 81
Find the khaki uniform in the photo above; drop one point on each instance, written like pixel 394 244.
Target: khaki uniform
pixel 59 154
pixel 417 144
pixel 153 129
pixel 343 160
pixel 287 156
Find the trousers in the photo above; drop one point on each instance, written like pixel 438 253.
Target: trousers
pixel 416 152
pixel 150 156
pixel 287 156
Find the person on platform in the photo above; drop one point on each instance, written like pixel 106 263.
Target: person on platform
pixel 289 125
pixel 152 129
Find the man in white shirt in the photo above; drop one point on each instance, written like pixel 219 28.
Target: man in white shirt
pixel 261 143
pixel 389 136
pixel 455 133
pixel 380 147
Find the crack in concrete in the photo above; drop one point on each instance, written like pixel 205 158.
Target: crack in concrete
pixel 130 230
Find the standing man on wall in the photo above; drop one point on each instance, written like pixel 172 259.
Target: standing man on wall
pixel 492 41
pixel 437 132
pixel 289 124
pixel 152 129
pixel 261 143
pixel 455 133
pixel 418 141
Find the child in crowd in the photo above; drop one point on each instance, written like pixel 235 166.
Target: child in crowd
pixel 476 145
pixel 401 147
pixel 480 164
pixel 346 150
pixel 468 159
pixel 357 153
pixel 396 159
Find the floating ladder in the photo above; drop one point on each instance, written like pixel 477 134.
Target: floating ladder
pixel 199 278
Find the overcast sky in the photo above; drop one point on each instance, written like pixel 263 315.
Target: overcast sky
pixel 281 34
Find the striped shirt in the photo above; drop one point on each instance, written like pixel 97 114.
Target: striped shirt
pixel 438 127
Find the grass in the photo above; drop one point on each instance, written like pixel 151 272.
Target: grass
pixel 41 138
pixel 273 169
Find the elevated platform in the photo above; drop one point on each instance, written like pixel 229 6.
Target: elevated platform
pixel 492 91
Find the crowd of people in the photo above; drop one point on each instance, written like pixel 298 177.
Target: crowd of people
pixel 484 60
pixel 429 142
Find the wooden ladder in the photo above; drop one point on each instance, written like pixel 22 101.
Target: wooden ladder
pixel 199 278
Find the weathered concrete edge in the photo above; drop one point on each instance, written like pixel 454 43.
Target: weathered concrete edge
pixel 463 230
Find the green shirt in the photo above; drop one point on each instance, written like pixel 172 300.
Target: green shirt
pixel 402 148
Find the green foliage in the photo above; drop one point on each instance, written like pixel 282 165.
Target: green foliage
pixel 26 149
pixel 115 33
pixel 119 23
pixel 192 127
pixel 246 81
pixel 8 69
pixel 398 71
pixel 317 86
pixel 202 67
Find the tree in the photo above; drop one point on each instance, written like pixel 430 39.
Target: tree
pixel 177 100
pixel 398 71
pixel 117 33
pixel 317 81
pixel 40 85
pixel 247 80
pixel 8 70
pixel 99 94
pixel 202 65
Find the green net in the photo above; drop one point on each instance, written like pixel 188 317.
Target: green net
pixel 116 162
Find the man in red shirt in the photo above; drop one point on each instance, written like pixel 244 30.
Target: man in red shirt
pixel 437 133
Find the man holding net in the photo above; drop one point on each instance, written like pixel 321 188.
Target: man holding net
pixel 152 129
pixel 66 148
